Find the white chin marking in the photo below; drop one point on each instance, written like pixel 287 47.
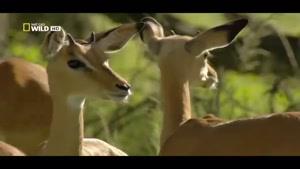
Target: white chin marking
pixel 120 99
pixel 76 102
pixel 129 93
pixel 125 100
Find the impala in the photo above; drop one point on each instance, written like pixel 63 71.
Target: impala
pixel 182 60
pixel 49 102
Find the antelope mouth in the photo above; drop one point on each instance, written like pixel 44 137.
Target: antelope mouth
pixel 121 97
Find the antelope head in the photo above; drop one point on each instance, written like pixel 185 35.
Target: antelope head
pixel 81 68
pixel 186 57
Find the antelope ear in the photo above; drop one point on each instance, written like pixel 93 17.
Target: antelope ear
pixel 52 43
pixel 217 37
pixel 116 38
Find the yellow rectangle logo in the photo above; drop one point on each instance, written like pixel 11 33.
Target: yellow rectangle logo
pixel 26 27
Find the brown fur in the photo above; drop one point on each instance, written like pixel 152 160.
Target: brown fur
pixel 212 119
pixel 24 117
pixel 25 100
pixel 277 134
pixel 181 61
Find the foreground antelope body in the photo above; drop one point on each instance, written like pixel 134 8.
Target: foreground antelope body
pixel 9 150
pixel 183 59
pixel 25 104
pixel 76 69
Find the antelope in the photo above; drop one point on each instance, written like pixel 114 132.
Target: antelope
pixel 183 60
pixel 50 102
pixel 9 150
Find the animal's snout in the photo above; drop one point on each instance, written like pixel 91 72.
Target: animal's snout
pixel 124 87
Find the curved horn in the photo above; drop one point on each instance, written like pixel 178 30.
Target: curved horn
pixel 92 38
pixel 71 39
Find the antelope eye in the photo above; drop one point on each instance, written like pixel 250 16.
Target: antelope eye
pixel 76 64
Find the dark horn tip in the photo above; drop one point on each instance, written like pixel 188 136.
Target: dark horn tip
pixel 71 39
pixel 69 36
pixel 92 38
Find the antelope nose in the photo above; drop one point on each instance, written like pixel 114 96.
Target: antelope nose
pixel 125 87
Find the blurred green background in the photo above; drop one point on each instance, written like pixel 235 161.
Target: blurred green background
pixel 259 72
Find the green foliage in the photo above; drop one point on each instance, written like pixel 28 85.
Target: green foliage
pixel 19 47
pixel 203 20
pixel 288 23
pixel 244 88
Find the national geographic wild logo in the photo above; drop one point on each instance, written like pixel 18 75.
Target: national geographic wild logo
pixel 39 27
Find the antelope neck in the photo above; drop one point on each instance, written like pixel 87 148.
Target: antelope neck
pixel 66 132
pixel 176 103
